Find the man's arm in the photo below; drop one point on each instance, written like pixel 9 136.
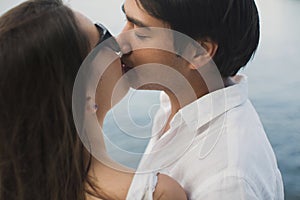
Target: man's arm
pixel 233 188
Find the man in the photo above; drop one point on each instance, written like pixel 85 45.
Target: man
pixel 212 142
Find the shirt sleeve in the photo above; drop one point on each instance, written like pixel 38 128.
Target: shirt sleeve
pixel 230 187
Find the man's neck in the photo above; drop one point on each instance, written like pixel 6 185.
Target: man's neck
pixel 176 105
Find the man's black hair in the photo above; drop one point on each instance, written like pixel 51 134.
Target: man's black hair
pixel 232 24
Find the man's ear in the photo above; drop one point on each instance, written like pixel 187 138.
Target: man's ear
pixel 203 54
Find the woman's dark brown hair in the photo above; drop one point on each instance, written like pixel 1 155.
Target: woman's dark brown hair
pixel 41 50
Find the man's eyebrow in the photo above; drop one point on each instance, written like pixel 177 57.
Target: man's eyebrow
pixel 135 21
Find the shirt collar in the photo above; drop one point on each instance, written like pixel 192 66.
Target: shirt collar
pixel 212 105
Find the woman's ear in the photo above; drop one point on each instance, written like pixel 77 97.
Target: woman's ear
pixel 203 53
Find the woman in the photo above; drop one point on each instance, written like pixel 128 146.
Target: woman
pixel 42 45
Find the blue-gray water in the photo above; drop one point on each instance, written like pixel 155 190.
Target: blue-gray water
pixel 274 85
pixel 274 77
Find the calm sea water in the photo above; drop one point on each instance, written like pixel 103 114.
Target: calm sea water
pixel 274 77
pixel 274 85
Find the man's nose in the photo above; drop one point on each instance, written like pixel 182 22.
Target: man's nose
pixel 124 44
pixel 124 41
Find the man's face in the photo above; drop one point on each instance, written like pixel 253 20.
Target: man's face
pixel 142 44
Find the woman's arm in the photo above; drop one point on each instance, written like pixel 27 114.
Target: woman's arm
pixel 114 184
pixel 168 189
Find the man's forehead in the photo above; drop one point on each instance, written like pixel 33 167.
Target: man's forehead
pixel 136 14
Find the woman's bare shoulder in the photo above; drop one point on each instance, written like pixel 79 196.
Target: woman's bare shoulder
pixel 167 188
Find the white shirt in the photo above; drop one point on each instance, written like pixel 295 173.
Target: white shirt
pixel 216 148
